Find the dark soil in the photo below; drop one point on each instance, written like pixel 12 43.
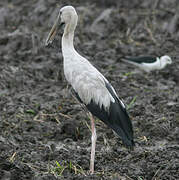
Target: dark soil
pixel 42 125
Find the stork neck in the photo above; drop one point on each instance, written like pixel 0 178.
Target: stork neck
pixel 67 43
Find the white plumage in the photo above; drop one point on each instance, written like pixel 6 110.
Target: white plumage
pixel 90 86
pixel 84 78
pixel 87 81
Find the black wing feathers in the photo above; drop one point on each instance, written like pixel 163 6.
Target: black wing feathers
pixel 119 119
pixel 142 59
pixel 116 117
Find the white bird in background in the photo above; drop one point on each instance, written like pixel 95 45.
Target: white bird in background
pixel 148 63
pixel 91 88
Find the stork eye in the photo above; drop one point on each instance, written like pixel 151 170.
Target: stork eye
pixel 62 24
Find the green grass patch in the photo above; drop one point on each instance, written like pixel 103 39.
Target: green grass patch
pixel 127 74
pixel 60 168
pixel 30 111
pixel 131 103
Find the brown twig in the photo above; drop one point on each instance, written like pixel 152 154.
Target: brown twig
pixel 41 114
pixel 160 174
pixel 150 33
pixel 11 159
pixel 156 4
pixel 158 170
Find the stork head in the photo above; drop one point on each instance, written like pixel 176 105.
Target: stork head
pixel 68 17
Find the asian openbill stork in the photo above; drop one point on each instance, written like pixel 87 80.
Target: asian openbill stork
pixel 90 87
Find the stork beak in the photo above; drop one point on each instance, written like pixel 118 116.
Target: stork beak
pixel 53 32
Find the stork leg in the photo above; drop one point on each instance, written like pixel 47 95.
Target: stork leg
pixel 93 143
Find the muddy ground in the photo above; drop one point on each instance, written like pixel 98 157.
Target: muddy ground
pixel 44 133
